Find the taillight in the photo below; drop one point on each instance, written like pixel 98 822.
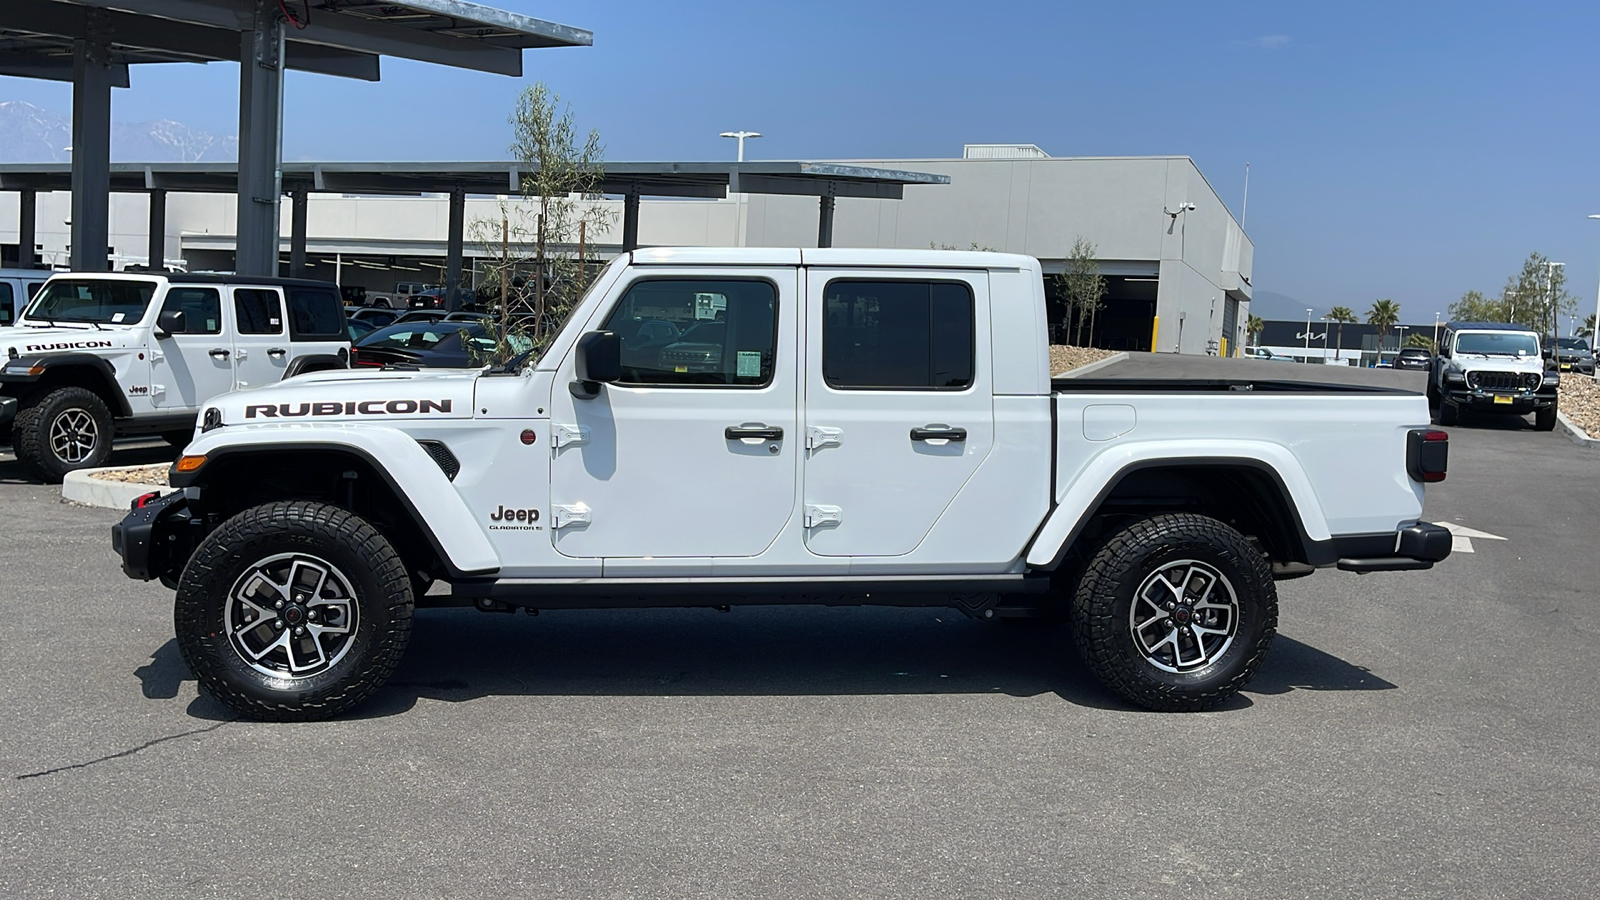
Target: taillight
pixel 1427 454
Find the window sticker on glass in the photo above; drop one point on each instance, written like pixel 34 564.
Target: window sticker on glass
pixel 748 364
pixel 118 317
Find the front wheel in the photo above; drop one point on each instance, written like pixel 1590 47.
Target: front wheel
pixel 293 611
pixel 1545 419
pixel 1449 412
pixel 69 429
pixel 1175 612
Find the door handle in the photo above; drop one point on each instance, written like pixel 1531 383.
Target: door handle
pixel 753 430
pixel 276 352
pixel 938 433
pixel 219 353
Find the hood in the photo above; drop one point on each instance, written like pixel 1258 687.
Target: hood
pixel 1499 363
pixel 23 341
pixel 345 395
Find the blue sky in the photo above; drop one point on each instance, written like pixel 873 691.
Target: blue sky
pixel 1406 150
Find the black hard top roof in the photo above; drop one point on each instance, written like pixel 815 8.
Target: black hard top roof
pixel 215 278
pixel 1489 326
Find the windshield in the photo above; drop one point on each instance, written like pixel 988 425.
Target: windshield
pixel 414 335
pixel 1498 343
pixel 91 300
pixel 1572 343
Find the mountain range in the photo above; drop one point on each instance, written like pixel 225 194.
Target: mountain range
pixel 33 134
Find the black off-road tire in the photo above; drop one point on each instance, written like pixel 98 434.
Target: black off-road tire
pixel 382 598
pixel 1433 394
pixel 31 436
pixel 1449 412
pixel 1545 419
pixel 1101 608
pixel 178 439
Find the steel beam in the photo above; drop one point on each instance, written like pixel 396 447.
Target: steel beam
pixel 630 220
pixel 158 230
pixel 51 68
pixel 740 182
pixel 453 248
pixel 298 200
pixel 27 222
pixel 260 142
pixel 825 222
pixel 91 154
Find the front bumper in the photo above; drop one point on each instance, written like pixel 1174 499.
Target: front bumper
pixel 1413 547
pixel 8 409
pixel 156 540
pixel 1515 402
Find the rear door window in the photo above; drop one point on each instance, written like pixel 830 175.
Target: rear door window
pixel 898 335
pixel 315 314
pixel 258 310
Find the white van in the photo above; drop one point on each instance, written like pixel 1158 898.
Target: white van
pixel 17 287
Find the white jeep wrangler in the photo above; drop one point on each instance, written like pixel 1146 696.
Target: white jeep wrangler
pixel 727 426
pixel 100 355
pixel 1492 367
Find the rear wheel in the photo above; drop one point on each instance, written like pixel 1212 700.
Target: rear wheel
pixel 1544 419
pixel 1175 612
pixel 293 611
pixel 67 430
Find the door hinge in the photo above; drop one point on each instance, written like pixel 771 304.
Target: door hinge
pixel 818 437
pixel 818 515
pixel 568 435
pixel 566 515
pixel 157 390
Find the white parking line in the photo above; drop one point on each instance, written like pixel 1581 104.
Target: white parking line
pixel 1461 537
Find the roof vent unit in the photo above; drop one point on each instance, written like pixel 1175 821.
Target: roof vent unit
pixel 1002 151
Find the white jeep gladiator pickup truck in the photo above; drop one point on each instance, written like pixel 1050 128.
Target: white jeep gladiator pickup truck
pixel 719 427
pixel 100 355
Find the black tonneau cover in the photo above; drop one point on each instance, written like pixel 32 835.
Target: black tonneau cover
pixel 1209 385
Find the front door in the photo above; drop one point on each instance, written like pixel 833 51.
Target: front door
pixel 692 453
pixel 898 406
pixel 190 368
pixel 260 338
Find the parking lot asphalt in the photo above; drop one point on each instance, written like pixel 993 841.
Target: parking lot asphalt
pixel 1419 734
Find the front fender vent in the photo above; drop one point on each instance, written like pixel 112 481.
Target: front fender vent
pixel 441 454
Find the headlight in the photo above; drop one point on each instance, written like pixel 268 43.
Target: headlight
pixel 1457 377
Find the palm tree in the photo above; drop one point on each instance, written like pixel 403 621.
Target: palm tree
pixel 1342 314
pixel 1384 314
pixel 1253 326
pixel 1587 328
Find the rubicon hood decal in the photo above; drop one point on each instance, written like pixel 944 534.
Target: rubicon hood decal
pixel 347 408
pixel 347 395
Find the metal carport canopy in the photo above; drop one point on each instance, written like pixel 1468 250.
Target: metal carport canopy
pixel 93 42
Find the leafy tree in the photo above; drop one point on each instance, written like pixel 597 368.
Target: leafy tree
pixel 1083 286
pixel 1253 327
pixel 1475 307
pixel 1384 314
pixel 545 245
pixel 1341 315
pixel 1419 340
pixel 1537 294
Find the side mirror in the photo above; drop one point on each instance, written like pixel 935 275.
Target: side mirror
pixel 170 322
pixel 599 361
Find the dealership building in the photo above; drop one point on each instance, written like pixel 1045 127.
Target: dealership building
pixel 1177 264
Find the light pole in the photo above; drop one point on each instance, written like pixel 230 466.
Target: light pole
pixel 1324 340
pixel 1399 341
pixel 741 135
pixel 1435 332
pixel 1308 337
pixel 1595 332
pixel 1555 314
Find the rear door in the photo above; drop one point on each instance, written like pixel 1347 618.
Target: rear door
pixel 261 338
pixel 898 408
pixel 316 322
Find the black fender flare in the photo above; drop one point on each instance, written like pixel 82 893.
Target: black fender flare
pixel 315 362
pixel 105 375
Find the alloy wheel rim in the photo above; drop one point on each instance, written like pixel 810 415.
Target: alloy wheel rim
pixel 291 616
pixel 73 436
pixel 1184 616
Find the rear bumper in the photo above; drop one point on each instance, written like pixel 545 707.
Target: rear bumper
pixel 1416 546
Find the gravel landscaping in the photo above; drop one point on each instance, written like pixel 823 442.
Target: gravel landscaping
pixel 156 474
pixel 1064 358
pixel 1580 401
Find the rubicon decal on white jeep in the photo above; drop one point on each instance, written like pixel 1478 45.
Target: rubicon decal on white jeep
pixel 67 345
pixel 346 408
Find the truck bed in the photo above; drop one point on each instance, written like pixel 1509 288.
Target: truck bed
pixel 1210 385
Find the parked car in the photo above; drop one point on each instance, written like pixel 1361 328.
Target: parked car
pixel 922 455
pixel 17 287
pixel 359 328
pixel 420 315
pixel 403 291
pixel 379 317
pixel 1413 358
pixel 1264 353
pixel 1573 354
pixel 438 345
pixel 1492 367
pixel 434 298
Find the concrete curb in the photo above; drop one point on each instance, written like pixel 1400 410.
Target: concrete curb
pixel 1577 434
pixel 1097 364
pixel 82 487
